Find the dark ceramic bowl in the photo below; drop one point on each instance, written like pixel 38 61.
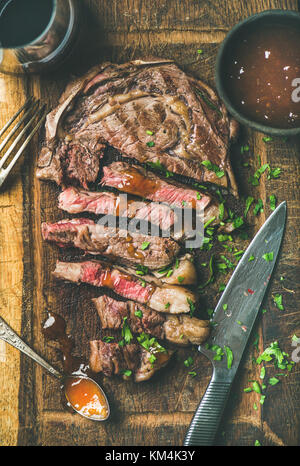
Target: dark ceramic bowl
pixel 285 17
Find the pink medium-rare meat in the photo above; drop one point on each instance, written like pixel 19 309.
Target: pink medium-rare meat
pixel 170 299
pixel 150 111
pixel 76 201
pixel 179 329
pixel 135 180
pixel 153 252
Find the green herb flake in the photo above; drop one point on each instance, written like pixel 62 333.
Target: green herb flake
pixel 149 132
pixel 268 256
pixel 273 381
pixel 273 201
pixel 212 167
pixel 167 305
pixel 257 443
pixel 278 301
pixel 256 387
pixel 251 258
pixel 150 143
pixel 249 201
pixel 180 279
pixel 126 332
pixel 229 355
pixel 192 373
pixel 138 313
pixel 127 372
pixel 199 51
pixel 188 362
pixel 267 139
pixel 259 207
pixel 145 245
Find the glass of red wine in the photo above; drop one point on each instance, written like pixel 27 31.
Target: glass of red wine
pixel 37 35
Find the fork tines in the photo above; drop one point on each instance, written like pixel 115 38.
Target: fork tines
pixel 33 115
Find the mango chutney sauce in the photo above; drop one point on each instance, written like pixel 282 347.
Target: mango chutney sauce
pixel 86 397
pixel 262 74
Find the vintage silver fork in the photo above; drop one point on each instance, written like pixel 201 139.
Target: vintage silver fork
pixel 32 118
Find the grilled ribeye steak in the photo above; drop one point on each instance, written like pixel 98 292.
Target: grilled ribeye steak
pixel 113 359
pixel 77 201
pixel 181 329
pixel 170 299
pixel 153 252
pixel 150 111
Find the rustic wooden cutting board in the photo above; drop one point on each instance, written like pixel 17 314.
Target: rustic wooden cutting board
pixel 157 412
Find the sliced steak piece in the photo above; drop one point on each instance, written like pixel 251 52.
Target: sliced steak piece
pixel 135 180
pixel 170 299
pixel 77 201
pixel 134 248
pixel 181 329
pixel 113 359
pixel 122 104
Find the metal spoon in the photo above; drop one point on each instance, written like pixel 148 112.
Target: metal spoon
pixel 7 334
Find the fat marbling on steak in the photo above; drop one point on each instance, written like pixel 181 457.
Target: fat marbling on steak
pixel 149 110
pixel 153 252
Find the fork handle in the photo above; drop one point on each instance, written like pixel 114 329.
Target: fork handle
pixel 206 420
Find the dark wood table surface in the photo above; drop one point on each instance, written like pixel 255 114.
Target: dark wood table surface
pixel 157 412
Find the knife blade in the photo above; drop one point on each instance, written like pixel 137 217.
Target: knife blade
pixel 233 320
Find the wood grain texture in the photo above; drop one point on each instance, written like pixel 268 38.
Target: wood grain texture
pixel 159 411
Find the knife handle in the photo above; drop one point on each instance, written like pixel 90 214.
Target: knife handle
pixel 204 425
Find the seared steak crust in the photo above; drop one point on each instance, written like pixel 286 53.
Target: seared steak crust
pixel 122 104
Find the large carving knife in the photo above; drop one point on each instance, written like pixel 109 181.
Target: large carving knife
pixel 233 320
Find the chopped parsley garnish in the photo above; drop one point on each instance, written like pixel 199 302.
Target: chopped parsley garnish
pixel 107 338
pixel 167 305
pixel 180 279
pixel 192 373
pixel 273 380
pixel 138 313
pixel 141 269
pixel 267 139
pixel 244 148
pixel 192 306
pixel 238 222
pixel 145 245
pixel 199 51
pixel 259 207
pixel 214 168
pixel 251 258
pixel 151 345
pixel 273 173
pixel 149 132
pixel 150 144
pixel 211 274
pixel 126 332
pixel 188 362
pixel 268 256
pixel 273 201
pixel 127 372
pixel 229 356
pixel 278 301
pixel 249 201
